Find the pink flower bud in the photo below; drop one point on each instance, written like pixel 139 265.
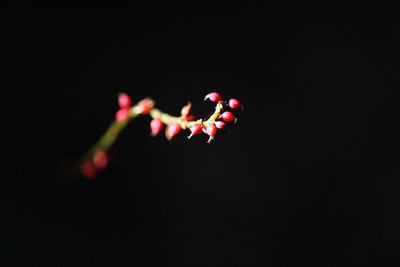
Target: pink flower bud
pixel 220 124
pixel 211 131
pixel 196 129
pixel 172 130
pixel 144 106
pixel 214 97
pixel 100 160
pixel 88 170
pixel 124 101
pixel 156 126
pixel 234 103
pixel 122 115
pixel 190 117
pixel 228 116
pixel 185 111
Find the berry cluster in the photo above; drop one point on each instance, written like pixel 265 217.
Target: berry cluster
pixel 96 159
pixel 215 122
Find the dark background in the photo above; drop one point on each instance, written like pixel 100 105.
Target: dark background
pixel 310 174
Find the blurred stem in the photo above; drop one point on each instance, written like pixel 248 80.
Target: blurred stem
pixel 107 139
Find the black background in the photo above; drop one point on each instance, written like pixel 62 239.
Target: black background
pixel 310 174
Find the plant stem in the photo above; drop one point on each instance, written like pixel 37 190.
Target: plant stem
pixel 116 127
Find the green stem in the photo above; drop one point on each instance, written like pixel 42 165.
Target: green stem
pixel 107 139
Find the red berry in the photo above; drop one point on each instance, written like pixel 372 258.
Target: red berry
pixel 196 129
pixel 214 97
pixel 89 170
pixel 124 101
pixel 211 131
pixel 156 126
pixel 228 116
pixel 100 159
pixel 234 103
pixel 122 115
pixel 172 130
pixel 220 124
